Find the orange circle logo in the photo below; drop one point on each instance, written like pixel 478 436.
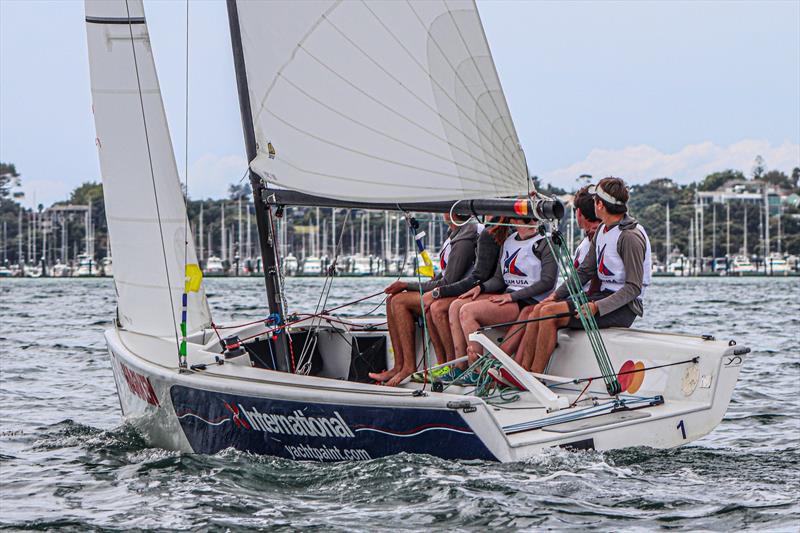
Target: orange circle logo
pixel 631 376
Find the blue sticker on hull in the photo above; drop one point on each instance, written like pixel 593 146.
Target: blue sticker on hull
pixel 213 421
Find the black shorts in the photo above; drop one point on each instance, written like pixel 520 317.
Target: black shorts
pixel 525 302
pixel 619 318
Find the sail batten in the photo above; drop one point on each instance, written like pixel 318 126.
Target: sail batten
pixel 378 101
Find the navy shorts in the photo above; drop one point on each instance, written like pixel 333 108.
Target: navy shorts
pixel 619 318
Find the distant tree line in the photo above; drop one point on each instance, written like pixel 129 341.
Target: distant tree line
pixel 648 204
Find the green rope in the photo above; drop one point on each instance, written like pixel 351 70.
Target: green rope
pixel 567 269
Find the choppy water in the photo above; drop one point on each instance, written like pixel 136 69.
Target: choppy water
pixel 67 463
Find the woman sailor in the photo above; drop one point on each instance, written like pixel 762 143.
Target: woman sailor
pixel 583 203
pixel 526 275
pixel 445 298
pixel 404 304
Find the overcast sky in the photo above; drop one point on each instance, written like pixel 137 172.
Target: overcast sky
pixel 636 89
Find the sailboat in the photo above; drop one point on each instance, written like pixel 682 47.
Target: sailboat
pixel 392 106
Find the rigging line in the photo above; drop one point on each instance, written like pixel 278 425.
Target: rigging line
pixel 452 67
pixel 396 112
pixel 376 157
pixel 185 297
pixel 401 84
pixel 393 138
pixel 322 301
pixel 478 70
pixel 153 178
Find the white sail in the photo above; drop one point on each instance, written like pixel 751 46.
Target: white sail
pixel 378 101
pixel 144 204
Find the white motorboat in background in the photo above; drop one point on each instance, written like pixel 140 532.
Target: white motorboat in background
pixel 741 265
pixel 86 267
pixel 214 267
pixel 312 266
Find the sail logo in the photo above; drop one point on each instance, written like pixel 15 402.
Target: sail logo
pixel 601 265
pixel 510 264
pixel 296 424
pixel 139 385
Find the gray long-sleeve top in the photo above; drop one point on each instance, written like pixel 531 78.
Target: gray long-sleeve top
pixel 486 255
pixel 546 281
pixel 631 247
pixel 462 256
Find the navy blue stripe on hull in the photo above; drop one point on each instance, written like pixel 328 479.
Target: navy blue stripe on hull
pixel 213 421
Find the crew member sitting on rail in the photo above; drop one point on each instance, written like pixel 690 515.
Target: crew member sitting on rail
pixel 456 257
pixel 527 273
pixel 445 298
pixel 583 204
pixel 619 257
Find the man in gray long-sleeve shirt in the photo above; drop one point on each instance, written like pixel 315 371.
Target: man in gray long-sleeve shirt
pixel 619 257
pixel 456 258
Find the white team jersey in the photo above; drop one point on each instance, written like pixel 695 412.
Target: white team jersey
pixel 610 268
pixel 581 251
pixel 580 254
pixel 444 254
pixel 521 267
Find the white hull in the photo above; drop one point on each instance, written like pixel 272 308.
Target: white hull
pixel 198 411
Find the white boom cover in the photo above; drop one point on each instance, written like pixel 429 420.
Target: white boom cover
pixel 139 214
pixel 378 101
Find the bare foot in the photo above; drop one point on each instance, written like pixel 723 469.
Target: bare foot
pixel 385 375
pixel 399 378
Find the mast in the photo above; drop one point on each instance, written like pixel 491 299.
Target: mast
pixel 263 214
pixel 727 231
pixel 667 242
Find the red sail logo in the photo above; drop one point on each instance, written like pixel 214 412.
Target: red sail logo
pixel 601 264
pixel 237 419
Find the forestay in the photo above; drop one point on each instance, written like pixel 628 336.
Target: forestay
pixel 378 101
pixel 144 204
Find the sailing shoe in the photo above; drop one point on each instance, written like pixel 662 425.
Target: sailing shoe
pixel 505 378
pixel 452 376
pixel 433 375
pixel 468 380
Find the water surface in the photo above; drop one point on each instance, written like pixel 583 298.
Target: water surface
pixel 68 463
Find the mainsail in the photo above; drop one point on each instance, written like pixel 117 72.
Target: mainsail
pixel 144 203
pixel 378 101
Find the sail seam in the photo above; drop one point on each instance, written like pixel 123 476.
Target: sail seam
pixel 299 46
pixel 475 63
pixel 423 102
pixel 439 85
pixel 376 157
pixel 390 137
pixel 479 147
pixel 441 51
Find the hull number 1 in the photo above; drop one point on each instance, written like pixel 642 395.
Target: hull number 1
pixel 682 427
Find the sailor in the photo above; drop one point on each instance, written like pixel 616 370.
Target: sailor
pixel 457 256
pixel 527 273
pixel 619 257
pixel 446 305
pixel 583 203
